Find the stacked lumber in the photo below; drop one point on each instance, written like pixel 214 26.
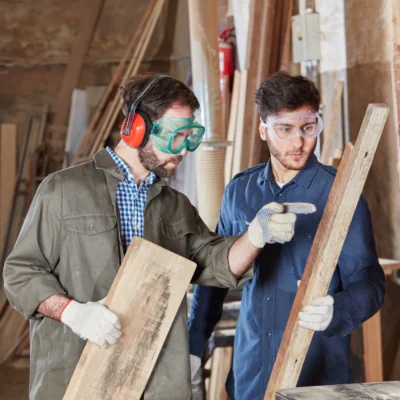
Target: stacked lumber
pixel 109 108
pixel 17 186
pixel 268 50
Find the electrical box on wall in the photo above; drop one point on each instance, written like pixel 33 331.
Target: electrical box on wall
pixel 305 37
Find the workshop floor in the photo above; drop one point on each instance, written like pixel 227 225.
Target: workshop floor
pixel 14 383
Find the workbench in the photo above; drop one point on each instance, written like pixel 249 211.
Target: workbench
pixel 356 391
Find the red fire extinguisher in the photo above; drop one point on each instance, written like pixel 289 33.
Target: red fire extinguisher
pixel 226 58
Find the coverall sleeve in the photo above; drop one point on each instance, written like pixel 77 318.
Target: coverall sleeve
pixel 210 251
pixel 28 277
pixel 361 276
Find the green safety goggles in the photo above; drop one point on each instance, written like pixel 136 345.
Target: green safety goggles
pixel 171 135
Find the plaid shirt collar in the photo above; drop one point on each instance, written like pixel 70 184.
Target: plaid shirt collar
pixel 149 180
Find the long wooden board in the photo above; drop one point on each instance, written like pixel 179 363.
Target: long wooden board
pixel 333 120
pixel 91 14
pixel 327 246
pixel 146 295
pixel 8 172
pixel 82 150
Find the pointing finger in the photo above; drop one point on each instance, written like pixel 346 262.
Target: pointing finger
pixel 300 208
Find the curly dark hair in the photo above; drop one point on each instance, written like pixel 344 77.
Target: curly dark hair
pixel 282 92
pixel 159 97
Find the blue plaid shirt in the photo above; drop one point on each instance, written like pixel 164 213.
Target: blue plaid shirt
pixel 131 202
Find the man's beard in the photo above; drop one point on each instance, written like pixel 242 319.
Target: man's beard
pixel 151 162
pixel 287 163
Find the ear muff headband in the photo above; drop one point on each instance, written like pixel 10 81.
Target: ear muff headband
pixel 136 128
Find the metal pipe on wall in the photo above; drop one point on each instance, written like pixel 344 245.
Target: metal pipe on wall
pixel 203 21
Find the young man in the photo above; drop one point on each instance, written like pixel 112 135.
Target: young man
pixel 82 220
pixel 290 125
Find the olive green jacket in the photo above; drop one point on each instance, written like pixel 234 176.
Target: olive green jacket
pixel 70 244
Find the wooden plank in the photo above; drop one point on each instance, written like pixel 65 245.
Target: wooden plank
pixel 146 295
pixel 3 301
pixel 286 37
pixel 395 373
pixel 372 338
pixel 333 120
pixel 81 45
pixel 232 127
pixel 389 265
pixel 239 127
pixel 82 150
pixel 327 246
pixel 107 123
pixel 8 172
pixel 260 62
pixel 337 156
pixel 356 391
pixel 220 365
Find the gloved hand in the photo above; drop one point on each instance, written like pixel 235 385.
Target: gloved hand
pixel 92 321
pixel 318 315
pixel 274 223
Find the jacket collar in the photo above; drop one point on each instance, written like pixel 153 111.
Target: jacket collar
pixel 104 161
pixel 303 178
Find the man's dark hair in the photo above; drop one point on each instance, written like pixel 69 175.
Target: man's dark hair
pixel 282 92
pixel 159 97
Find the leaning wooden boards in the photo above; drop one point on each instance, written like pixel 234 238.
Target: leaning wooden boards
pixel 328 243
pixel 146 295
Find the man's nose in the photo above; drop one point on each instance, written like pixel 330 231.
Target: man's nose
pixel 183 152
pixel 297 141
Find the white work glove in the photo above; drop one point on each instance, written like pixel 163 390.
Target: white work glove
pixel 92 321
pixel 318 315
pixel 274 223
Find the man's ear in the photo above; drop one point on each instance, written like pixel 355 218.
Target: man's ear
pixel 263 131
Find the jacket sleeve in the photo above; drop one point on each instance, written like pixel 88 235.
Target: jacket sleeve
pixel 361 276
pixel 28 277
pixel 207 303
pixel 210 252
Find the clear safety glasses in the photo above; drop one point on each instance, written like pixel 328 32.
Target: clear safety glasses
pixel 171 135
pixel 308 126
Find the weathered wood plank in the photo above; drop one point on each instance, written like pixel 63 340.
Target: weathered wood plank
pixel 333 121
pixel 8 172
pixel 146 295
pixel 372 339
pixel 327 246
pixel 356 391
pixel 76 59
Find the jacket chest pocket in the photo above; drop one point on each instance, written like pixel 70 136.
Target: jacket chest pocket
pixel 91 248
pixel 176 234
pixel 90 225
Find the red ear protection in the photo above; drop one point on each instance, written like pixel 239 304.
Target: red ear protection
pixel 136 128
pixel 140 128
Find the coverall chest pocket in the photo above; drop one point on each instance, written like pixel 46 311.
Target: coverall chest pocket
pixel 176 234
pixel 92 243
